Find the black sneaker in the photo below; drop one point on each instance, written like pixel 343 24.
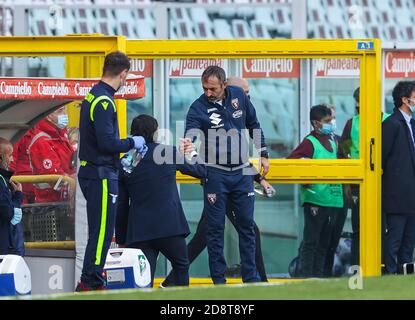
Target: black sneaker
pixel 233 271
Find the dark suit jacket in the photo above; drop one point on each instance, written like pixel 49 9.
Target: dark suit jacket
pixel 149 205
pixel 398 163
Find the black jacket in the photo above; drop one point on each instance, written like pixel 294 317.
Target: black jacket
pixel 398 164
pixel 149 205
pixel 99 142
pixel 8 201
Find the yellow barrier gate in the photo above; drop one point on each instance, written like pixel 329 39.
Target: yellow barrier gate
pixel 84 58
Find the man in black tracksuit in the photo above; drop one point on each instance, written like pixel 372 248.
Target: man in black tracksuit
pixel 100 148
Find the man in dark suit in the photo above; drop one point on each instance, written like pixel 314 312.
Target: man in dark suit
pixel 398 180
pixel 150 216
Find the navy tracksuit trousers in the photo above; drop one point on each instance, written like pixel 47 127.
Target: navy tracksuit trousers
pixel 101 201
pixel 222 186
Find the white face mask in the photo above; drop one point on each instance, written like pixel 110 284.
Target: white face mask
pixel 63 121
pixel 412 108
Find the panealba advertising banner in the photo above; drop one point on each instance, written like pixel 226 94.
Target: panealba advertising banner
pixel 193 68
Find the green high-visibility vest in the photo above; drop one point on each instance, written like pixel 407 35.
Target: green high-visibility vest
pixel 324 195
pixel 354 134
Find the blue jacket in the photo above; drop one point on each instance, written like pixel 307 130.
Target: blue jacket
pixel 398 164
pixel 100 145
pixel 149 205
pixel 10 236
pixel 237 113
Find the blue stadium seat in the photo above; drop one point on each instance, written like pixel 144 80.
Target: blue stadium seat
pixel 282 18
pixel 122 18
pixel 259 30
pixel 222 29
pixel 240 29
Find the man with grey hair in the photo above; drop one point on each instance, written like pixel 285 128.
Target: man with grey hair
pixel 220 116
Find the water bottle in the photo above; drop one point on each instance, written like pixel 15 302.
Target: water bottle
pixel 130 160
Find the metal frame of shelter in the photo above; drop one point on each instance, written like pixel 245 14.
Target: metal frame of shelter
pixel 84 58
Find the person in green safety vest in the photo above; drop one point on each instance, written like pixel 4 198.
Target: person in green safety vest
pixel 349 145
pixel 319 200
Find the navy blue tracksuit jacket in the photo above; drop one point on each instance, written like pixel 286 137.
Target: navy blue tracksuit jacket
pixel 99 152
pixel 10 236
pixel 224 145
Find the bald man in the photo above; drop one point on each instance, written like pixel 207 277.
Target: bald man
pixel 239 82
pixel 11 197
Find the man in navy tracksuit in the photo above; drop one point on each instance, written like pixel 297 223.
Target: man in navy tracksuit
pixel 99 153
pixel 220 117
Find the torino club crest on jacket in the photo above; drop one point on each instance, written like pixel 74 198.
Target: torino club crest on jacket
pixel 235 103
pixel 211 198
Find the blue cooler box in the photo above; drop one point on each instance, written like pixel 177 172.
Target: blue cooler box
pixel 127 268
pixel 14 276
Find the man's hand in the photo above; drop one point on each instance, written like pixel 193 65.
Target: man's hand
pixel 139 143
pixel 17 186
pixel 263 164
pixel 186 146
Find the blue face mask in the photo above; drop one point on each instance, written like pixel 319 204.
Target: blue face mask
pixel 63 121
pixel 327 128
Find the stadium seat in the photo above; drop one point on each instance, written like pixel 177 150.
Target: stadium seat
pixel 106 23
pixel 259 30
pixel 264 15
pixel 393 33
pixel 38 22
pixel 202 23
pixel 322 31
pixel 85 21
pixel 315 17
pixel 68 25
pixel 240 29
pixel 184 29
pixel 122 25
pixel 222 29
pixel 179 14
pixel 283 20
pixel 404 18
pixel 203 31
pixel 375 31
pixel 336 16
pixel 145 16
pixel 409 33
pixel 330 5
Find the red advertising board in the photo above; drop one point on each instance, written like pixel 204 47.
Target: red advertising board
pixel 141 67
pixel 399 64
pixel 64 89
